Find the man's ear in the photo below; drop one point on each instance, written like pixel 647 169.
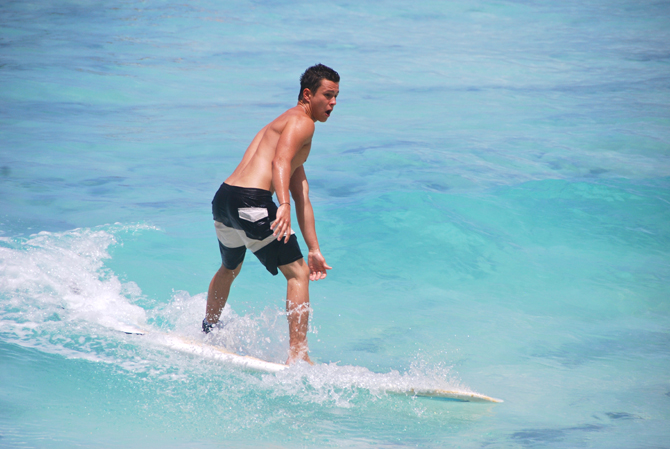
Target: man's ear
pixel 306 95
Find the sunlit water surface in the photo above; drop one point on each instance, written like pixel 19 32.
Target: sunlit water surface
pixel 492 191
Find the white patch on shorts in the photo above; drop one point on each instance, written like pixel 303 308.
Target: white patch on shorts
pixel 252 214
pixel 234 238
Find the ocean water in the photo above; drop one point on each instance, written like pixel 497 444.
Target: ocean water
pixel 492 190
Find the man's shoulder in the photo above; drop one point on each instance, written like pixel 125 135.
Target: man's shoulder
pixel 297 115
pixel 294 121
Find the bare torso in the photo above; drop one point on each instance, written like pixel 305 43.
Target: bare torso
pixel 273 161
pixel 255 169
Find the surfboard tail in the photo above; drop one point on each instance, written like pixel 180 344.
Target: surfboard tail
pixel 464 396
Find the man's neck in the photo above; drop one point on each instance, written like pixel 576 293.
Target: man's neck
pixel 307 109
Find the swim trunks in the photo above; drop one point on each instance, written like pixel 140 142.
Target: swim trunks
pixel 242 218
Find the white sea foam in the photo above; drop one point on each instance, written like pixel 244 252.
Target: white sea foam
pixel 58 297
pixel 340 384
pixel 63 273
pixel 262 335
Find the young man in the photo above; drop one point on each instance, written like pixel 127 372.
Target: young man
pixel 246 217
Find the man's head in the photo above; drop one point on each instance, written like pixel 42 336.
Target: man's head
pixel 319 89
pixel 313 76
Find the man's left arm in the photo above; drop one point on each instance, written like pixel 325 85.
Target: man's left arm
pixel 305 214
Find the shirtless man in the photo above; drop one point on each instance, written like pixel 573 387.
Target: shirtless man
pixel 246 217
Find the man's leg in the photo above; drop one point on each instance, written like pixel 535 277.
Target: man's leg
pixel 297 309
pixel 219 289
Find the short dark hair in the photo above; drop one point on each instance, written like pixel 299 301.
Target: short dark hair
pixel 311 78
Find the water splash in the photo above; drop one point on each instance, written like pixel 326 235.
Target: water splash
pixel 57 296
pixel 340 385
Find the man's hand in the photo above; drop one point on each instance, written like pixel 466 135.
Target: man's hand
pixel 317 265
pixel 282 224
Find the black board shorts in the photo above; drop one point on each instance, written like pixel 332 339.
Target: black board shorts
pixel 242 218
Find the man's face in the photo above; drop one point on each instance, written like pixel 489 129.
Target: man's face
pixel 324 101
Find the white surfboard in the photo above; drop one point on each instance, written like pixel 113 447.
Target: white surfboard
pixel 201 349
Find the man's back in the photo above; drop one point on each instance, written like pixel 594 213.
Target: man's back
pixel 246 217
pixel 255 169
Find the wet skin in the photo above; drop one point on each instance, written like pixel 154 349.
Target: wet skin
pixel 274 161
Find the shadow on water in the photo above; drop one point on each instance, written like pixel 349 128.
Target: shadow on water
pixel 622 415
pixel 540 437
pixel 638 343
pixel 95 182
pixel 567 435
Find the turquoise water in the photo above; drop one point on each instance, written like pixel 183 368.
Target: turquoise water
pixel 492 191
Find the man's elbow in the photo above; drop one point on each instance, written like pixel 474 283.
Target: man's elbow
pixel 279 163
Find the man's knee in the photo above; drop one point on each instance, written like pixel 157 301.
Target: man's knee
pixel 297 270
pixel 227 272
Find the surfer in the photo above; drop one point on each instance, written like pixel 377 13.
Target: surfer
pixel 245 216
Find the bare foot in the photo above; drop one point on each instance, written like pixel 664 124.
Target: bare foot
pixel 296 356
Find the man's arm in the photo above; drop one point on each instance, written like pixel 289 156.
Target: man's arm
pixel 303 209
pixel 297 133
